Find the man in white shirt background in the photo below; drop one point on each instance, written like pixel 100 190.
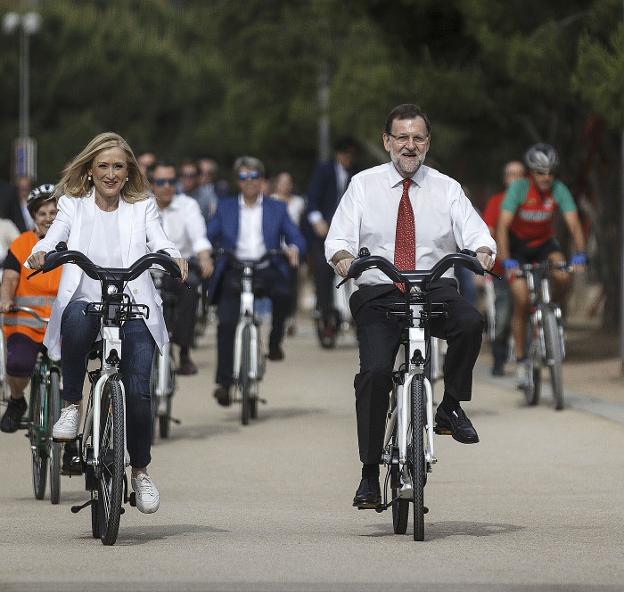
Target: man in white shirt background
pixel 412 215
pixel 184 225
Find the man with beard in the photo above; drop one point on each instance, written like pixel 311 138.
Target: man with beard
pixel 413 215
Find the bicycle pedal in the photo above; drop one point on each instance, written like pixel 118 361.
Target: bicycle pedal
pixel 263 401
pixel 122 510
pixel 132 499
pixel 174 420
pixel 441 431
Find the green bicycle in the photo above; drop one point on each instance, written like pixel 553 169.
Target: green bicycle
pixel 43 412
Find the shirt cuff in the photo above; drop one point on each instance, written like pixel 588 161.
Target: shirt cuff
pixel 314 217
pixel 202 244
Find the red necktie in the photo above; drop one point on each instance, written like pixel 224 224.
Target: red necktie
pixel 405 241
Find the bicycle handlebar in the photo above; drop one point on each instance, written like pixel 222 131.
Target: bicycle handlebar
pixel 421 278
pixel 61 256
pixel 231 255
pixel 33 313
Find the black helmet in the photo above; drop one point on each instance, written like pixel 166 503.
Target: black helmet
pixel 38 196
pixel 541 157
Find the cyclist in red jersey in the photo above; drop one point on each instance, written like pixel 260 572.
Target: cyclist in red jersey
pixel 525 234
pixel 512 171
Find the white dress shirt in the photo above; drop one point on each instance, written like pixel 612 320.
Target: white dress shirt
pixel 184 225
pixel 250 241
pixel 367 216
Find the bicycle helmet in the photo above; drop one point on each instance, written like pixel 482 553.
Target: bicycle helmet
pixel 38 196
pixel 541 157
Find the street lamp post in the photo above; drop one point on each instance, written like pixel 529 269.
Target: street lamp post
pixel 27 24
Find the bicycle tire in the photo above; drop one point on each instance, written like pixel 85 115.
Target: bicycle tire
pixel 327 333
pixel 95 516
pixel 418 464
pixel 400 507
pixel 243 375
pixel 38 427
pixel 54 406
pixel 554 355
pixel 533 387
pixel 111 461
pixel 164 421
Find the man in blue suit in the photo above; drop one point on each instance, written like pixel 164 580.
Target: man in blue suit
pixel 250 224
pixel 328 183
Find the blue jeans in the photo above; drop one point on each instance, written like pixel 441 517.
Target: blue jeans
pixel 78 333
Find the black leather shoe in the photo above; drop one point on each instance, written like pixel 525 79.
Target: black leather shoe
pixel 13 415
pixel 187 367
pixel 222 395
pixel 455 424
pixel 498 370
pixel 276 353
pixel 368 494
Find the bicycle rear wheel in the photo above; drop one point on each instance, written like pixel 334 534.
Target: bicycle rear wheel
pixel 418 464
pixel 54 406
pixel 243 375
pixel 111 467
pixel 554 355
pixel 38 436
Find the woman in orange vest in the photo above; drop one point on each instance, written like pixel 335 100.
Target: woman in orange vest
pixel 23 333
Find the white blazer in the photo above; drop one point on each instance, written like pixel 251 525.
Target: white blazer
pixel 140 232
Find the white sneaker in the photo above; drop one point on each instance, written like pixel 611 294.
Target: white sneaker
pixel 522 374
pixel 66 428
pixel 147 496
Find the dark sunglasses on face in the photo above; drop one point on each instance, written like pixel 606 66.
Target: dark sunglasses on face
pixel 161 182
pixel 250 175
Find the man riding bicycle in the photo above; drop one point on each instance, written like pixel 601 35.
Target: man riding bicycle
pixel 250 224
pixel 413 215
pixel 525 234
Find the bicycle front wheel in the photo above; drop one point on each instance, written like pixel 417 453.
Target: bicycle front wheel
pixel 400 507
pixel 554 355
pixel 243 376
pixel 38 436
pixel 54 406
pixel 111 467
pixel 419 466
pixel 533 385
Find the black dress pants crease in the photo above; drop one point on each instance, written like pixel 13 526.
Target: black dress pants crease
pixel 378 342
pixel 323 279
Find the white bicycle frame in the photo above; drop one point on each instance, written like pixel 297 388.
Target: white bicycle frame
pixel 401 413
pixel 111 341
pixel 246 319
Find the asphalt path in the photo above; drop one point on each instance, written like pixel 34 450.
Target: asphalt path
pixel 538 504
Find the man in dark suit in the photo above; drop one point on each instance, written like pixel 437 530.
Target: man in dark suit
pixel 250 225
pixel 327 185
pixel 14 204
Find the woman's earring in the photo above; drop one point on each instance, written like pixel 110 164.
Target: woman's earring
pixel 127 178
pixel 89 178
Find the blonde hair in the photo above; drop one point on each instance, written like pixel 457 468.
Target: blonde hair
pixel 75 180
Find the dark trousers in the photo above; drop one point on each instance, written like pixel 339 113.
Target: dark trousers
pixel 378 341
pixel 269 283
pixel 503 305
pixel 323 279
pixel 78 333
pixel 183 314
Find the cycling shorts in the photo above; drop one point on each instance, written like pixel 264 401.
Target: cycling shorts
pixel 523 254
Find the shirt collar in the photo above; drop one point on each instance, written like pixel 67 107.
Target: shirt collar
pixel 396 179
pixel 241 201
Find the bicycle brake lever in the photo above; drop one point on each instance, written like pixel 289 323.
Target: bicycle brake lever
pixel 33 274
pixel 344 281
pixel 498 277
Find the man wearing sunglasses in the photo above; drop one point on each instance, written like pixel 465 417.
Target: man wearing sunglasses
pixel 184 225
pixel 249 225
pixel 525 234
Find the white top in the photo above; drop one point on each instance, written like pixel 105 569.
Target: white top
pixel 296 206
pixel 105 232
pixel 250 242
pixel 367 215
pixel 185 226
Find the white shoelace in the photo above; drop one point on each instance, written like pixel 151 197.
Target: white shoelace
pixel 145 484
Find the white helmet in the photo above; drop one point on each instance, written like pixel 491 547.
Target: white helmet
pixel 541 157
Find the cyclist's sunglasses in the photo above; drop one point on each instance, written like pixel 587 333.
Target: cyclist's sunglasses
pixel 161 182
pixel 250 175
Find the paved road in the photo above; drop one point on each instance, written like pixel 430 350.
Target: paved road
pixel 537 505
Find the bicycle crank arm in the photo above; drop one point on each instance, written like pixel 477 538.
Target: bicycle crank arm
pixel 174 420
pixel 384 507
pixel 76 509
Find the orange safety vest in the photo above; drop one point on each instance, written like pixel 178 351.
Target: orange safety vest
pixel 38 292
